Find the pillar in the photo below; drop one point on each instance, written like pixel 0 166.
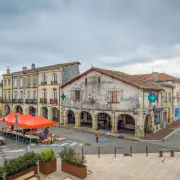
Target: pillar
pixel 114 124
pixel 139 125
pixel 77 119
pixel 94 122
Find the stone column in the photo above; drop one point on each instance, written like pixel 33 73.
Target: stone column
pixel 139 125
pixel 94 122
pixel 77 120
pixel 114 126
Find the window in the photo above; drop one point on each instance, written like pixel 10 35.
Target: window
pixel 55 93
pixel 165 96
pixel 113 96
pixel 34 81
pixel 15 94
pixel 9 95
pixel 5 82
pixel 29 95
pixel 9 82
pixel 15 83
pixel 44 94
pixel 21 94
pixel 21 82
pixel 24 81
pixel 55 77
pixel 5 96
pixel 44 78
pixel 77 95
pixel 170 96
pixel 34 94
pixel 29 81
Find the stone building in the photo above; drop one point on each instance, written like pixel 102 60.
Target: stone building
pixel 113 101
pixel 171 95
pixel 36 90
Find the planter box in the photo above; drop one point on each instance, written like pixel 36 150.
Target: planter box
pixel 47 167
pixel 27 173
pixel 73 170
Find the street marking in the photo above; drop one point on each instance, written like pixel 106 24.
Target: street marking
pixel 81 144
pixel 64 144
pixel 18 150
pixel 73 144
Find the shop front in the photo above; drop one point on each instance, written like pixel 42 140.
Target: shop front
pixel 177 113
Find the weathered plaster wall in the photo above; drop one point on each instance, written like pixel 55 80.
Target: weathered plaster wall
pixel 128 96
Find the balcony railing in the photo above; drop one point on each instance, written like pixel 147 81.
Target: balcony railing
pixel 43 100
pixel 7 100
pixel 34 85
pixel 53 82
pixel 20 101
pixel 15 101
pixel 31 101
pixel 44 83
pixel 53 101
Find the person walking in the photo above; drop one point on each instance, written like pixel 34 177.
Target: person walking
pixel 97 133
pixel 46 132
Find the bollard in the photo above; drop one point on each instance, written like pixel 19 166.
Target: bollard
pixel 146 151
pixel 115 152
pixel 98 152
pixel 131 151
pixel 172 152
pixel 82 152
pixel 160 153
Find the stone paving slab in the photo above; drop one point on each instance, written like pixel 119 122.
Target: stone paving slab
pixel 138 167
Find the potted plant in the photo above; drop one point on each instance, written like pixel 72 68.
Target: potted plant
pixel 1 172
pixel 73 163
pixel 22 166
pixel 47 162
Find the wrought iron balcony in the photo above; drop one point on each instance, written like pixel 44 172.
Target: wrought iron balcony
pixel 31 101
pixel 7 100
pixel 20 101
pixel 15 101
pixel 43 100
pixel 53 101
pixel 53 82
pixel 44 83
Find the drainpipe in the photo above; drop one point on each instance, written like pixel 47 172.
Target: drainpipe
pixel 37 93
pixel 59 104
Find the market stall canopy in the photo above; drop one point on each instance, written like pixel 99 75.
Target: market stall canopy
pixel 36 122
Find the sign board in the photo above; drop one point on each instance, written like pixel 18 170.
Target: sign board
pixel 152 97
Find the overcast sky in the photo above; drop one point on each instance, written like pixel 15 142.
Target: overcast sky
pixel 132 36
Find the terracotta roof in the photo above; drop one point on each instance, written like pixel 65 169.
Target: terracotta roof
pixel 162 77
pixel 47 67
pixel 126 78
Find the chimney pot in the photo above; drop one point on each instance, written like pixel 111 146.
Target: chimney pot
pixel 155 76
pixel 8 71
pixel 24 68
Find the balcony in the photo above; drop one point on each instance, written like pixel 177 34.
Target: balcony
pixel 29 86
pixel 31 101
pixel 15 101
pixel 53 82
pixel 53 101
pixel 34 85
pixel 7 100
pixel 43 100
pixel 20 101
pixel 44 83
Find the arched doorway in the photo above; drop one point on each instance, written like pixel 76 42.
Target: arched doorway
pixel 71 117
pixel 55 114
pixel 126 124
pixel 7 110
pixel 86 119
pixel 19 109
pixel 32 111
pixel 104 121
pixel 148 125
pixel 44 112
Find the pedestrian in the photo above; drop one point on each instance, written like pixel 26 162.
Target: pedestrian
pixel 97 135
pixel 46 132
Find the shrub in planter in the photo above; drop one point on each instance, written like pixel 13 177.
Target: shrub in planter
pixel 73 163
pixel 22 163
pixel 1 172
pixel 47 163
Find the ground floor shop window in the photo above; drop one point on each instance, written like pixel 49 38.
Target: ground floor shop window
pixel 157 118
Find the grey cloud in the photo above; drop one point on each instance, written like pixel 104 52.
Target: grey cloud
pixel 52 31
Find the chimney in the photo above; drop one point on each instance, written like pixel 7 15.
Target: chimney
pixel 8 71
pixel 33 66
pixel 155 76
pixel 24 68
